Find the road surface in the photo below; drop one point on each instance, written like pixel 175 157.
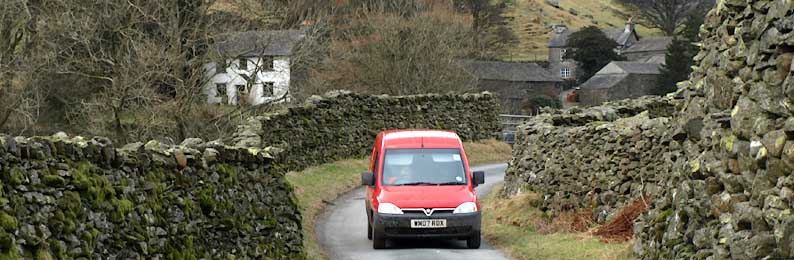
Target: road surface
pixel 342 231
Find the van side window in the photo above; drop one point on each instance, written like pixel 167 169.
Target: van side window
pixel 375 166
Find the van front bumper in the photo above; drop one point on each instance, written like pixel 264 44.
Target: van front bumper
pixel 459 226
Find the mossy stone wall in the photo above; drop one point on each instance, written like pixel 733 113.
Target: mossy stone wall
pixel 77 198
pixel 733 196
pixel 343 124
pixel 599 158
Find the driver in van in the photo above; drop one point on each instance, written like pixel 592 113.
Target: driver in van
pixel 403 176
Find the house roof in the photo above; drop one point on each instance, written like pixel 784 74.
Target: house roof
pixel 259 43
pixel 507 71
pixel 658 59
pixel 603 81
pixel 616 71
pixel 650 44
pixel 630 67
pixel 619 35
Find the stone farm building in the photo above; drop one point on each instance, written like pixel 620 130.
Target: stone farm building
pixel 255 69
pixel 651 50
pixel 632 79
pixel 619 80
pixel 558 46
pixel 515 84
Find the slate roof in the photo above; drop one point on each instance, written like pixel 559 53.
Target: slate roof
pixel 507 71
pixel 650 44
pixel 619 35
pixel 258 43
pixel 637 67
pixel 658 59
pixel 603 81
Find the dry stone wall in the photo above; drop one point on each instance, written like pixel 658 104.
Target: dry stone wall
pixel 343 124
pixel 733 197
pixel 77 198
pixel 598 158
pixel 726 190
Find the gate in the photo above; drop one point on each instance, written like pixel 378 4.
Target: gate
pixel 509 123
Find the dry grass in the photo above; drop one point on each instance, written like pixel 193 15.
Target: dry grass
pixel 621 227
pixel 488 151
pixel 517 227
pixel 532 20
pixel 316 186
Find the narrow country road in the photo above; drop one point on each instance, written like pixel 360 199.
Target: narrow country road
pixel 342 231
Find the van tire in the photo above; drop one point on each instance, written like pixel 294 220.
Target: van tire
pixel 378 241
pixel 369 230
pixel 474 241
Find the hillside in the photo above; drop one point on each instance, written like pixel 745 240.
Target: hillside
pixel 531 22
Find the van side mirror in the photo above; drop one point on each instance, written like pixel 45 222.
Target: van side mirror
pixel 367 179
pixel 478 177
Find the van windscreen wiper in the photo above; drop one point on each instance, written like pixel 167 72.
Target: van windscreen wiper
pixel 417 184
pixel 451 183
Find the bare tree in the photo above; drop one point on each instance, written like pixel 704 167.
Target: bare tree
pixel 18 104
pixel 385 53
pixel 488 21
pixel 667 15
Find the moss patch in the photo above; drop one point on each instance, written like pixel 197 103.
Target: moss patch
pixel 207 200
pixel 15 176
pixel 53 180
pixel 8 222
pixel 228 175
pixel 123 208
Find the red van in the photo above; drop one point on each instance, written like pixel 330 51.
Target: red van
pixel 419 185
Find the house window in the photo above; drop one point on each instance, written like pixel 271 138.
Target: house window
pixel 220 68
pixel 220 89
pixel 267 89
pixel 565 73
pixel 267 63
pixel 241 91
pixel 242 64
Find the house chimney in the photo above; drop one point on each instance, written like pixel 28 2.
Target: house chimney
pixel 629 25
pixel 559 28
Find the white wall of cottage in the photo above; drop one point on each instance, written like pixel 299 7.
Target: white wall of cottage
pixel 279 76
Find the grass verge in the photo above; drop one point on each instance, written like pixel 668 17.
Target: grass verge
pixel 518 228
pixel 316 186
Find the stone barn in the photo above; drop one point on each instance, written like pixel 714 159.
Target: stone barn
pixel 620 80
pixel 515 84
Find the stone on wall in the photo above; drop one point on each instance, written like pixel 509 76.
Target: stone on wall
pixel 598 158
pixel 733 197
pixel 342 124
pixel 78 198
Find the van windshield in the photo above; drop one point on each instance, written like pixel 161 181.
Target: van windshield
pixel 405 167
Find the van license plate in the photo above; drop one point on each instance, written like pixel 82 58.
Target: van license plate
pixel 428 223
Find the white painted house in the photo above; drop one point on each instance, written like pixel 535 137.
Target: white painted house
pixel 256 70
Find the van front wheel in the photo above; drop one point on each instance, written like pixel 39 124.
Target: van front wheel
pixel 473 242
pixel 369 230
pixel 378 241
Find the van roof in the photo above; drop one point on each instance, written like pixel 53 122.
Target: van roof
pixel 420 138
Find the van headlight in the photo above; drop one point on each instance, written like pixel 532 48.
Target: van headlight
pixel 466 207
pixel 388 208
